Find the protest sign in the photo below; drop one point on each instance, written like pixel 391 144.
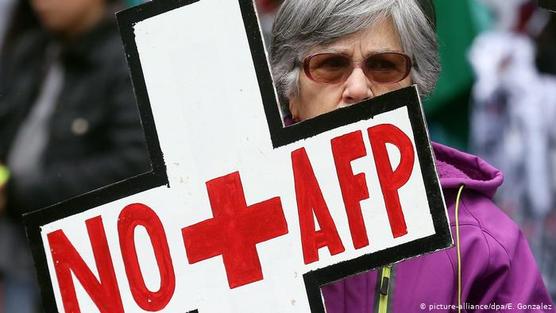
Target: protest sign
pixel 240 213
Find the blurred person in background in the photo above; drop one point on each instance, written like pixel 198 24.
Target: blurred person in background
pixel 546 60
pixel 68 125
pixel 329 54
pixel 512 121
pixel 546 64
pixel 6 7
pixel 16 19
pixel 266 9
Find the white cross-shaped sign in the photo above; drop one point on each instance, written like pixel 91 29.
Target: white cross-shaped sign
pixel 240 213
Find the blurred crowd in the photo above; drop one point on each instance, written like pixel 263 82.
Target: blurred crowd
pixel 68 120
pixel 69 123
pixel 513 108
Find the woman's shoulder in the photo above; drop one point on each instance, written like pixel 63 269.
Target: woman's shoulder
pixel 482 223
pixel 484 220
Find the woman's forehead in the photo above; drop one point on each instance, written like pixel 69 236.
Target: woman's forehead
pixel 380 36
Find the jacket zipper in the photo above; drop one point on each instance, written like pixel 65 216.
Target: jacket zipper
pixel 384 289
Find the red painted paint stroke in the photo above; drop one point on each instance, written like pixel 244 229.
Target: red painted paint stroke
pixel 104 293
pixel 392 180
pixel 130 218
pixel 354 188
pixel 310 202
pixel 235 230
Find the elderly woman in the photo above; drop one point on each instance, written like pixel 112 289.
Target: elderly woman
pixel 327 54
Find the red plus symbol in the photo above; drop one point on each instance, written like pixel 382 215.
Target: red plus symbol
pixel 235 230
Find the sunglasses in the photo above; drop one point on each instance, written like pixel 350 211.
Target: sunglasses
pixel 382 68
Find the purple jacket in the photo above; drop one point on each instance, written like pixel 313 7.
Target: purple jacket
pixel 497 264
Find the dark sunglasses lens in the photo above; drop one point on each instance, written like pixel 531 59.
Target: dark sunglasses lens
pixel 329 68
pixel 387 67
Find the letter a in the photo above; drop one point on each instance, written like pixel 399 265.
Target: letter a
pixel 310 201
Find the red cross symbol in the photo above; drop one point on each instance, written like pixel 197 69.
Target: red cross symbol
pixel 235 230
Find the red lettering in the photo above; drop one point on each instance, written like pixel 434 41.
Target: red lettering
pixel 345 149
pixel 104 293
pixel 310 201
pixel 132 216
pixel 392 180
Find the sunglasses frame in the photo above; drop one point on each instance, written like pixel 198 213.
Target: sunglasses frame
pixel 307 69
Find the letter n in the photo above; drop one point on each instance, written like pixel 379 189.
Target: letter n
pixel 104 293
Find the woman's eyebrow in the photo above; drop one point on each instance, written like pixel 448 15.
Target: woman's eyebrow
pixel 340 50
pixel 349 50
pixel 371 52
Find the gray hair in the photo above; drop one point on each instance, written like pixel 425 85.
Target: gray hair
pixel 301 25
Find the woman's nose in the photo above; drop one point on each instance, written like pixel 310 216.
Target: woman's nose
pixel 357 88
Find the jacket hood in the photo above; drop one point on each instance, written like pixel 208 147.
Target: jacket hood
pixel 456 168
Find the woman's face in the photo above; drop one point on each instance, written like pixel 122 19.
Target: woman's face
pixel 68 17
pixel 315 98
